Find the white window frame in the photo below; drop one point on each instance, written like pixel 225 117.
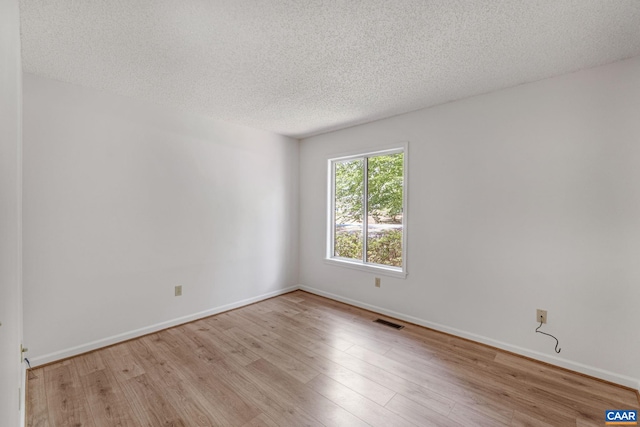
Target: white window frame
pixel 400 272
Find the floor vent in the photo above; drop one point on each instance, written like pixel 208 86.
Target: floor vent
pixel 390 324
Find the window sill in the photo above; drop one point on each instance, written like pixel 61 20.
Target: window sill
pixel 369 268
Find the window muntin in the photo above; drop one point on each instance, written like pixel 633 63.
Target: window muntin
pixel 371 183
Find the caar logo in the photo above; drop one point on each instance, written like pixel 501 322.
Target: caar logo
pixel 621 418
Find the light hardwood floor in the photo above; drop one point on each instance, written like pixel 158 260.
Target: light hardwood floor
pixel 303 360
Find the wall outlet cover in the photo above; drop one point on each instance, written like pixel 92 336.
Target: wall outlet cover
pixel 541 314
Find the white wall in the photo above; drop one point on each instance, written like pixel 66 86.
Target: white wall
pixel 10 216
pixel 123 201
pixel 519 199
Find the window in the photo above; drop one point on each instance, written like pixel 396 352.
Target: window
pixel 367 218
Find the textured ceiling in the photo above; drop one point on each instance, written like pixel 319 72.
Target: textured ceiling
pixel 302 67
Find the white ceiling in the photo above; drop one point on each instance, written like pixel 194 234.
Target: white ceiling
pixel 302 67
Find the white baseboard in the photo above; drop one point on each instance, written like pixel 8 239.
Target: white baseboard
pixel 574 366
pixel 104 342
pixel 567 364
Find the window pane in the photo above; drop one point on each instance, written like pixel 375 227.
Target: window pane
pixel 348 215
pixel 385 185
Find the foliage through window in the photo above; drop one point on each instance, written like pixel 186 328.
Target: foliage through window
pixel 367 209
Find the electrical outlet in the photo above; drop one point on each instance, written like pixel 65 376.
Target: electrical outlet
pixel 377 282
pixel 179 290
pixel 541 315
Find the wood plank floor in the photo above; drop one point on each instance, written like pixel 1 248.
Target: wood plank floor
pixel 303 360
